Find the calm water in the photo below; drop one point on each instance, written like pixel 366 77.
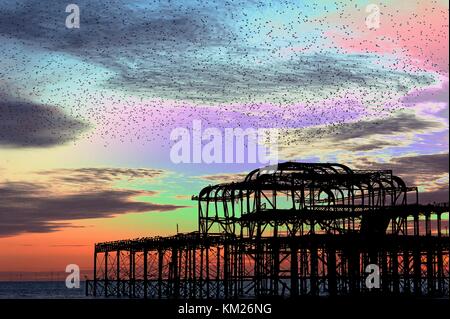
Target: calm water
pixel 39 290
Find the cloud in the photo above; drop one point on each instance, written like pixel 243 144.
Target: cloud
pixel 200 52
pixel 305 78
pixel 399 123
pixel 111 24
pixel 428 172
pixel 27 124
pixel 431 98
pixel 398 130
pixel 431 94
pixel 68 246
pixel 419 32
pixel 26 208
pixel 433 164
pixel 364 133
pixel 224 178
pixel 51 203
pixel 85 177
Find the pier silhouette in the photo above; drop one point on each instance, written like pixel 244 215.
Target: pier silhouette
pixel 299 229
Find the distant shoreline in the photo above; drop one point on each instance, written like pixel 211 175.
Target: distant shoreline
pixel 24 276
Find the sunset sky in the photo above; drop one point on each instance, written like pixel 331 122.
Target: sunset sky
pixel 86 113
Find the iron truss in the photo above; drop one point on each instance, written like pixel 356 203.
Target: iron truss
pixel 291 230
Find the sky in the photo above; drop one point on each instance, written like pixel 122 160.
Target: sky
pixel 86 113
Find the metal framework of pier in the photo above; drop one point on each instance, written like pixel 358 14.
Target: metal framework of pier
pixel 290 230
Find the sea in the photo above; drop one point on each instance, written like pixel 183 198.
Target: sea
pixel 40 290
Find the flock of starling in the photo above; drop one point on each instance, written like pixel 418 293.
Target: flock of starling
pixel 283 64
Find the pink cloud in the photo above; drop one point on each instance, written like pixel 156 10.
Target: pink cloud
pixel 417 35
